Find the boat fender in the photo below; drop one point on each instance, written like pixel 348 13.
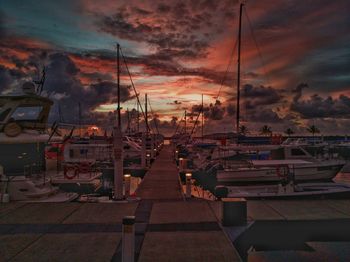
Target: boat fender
pixel 68 174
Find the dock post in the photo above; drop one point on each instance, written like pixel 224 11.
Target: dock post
pixel 234 211
pixel 143 151
pixel 181 164
pixel 127 178
pixel 128 239
pixel 188 185
pixel 118 163
pixel 148 160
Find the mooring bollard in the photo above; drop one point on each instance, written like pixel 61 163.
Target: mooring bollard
pixel 128 239
pixel 182 164
pixel 188 185
pixel 234 211
pixel 148 160
pixel 127 178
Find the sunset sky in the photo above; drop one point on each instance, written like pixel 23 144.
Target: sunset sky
pixel 295 59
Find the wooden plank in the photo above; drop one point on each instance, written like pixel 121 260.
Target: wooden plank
pixel 259 210
pixel 341 205
pixel 11 245
pixel 187 246
pixel 8 207
pixel 305 209
pixel 161 181
pixel 72 247
pixel 102 213
pixel 181 212
pixel 40 213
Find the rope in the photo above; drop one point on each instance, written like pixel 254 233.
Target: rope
pixel 133 86
pixel 256 45
pixel 154 119
pixel 227 69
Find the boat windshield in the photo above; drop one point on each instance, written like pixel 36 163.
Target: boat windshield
pixel 27 113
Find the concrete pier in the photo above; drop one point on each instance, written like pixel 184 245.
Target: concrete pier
pixel 169 227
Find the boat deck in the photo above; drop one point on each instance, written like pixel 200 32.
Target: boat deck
pixel 168 227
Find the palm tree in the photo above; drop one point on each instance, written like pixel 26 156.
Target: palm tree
pixel 289 132
pixel 313 130
pixel 266 130
pixel 243 130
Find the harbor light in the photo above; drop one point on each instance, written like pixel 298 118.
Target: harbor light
pixel 148 155
pixel 188 185
pixel 127 185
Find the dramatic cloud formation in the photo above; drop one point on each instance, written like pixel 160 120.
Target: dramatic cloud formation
pixel 295 59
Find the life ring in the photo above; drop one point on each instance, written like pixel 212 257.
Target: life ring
pixel 12 129
pixel 68 174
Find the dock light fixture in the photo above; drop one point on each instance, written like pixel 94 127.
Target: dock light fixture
pixel 127 185
pixel 188 185
pixel 148 155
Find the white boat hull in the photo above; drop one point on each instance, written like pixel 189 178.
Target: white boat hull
pixel 301 190
pixel 307 172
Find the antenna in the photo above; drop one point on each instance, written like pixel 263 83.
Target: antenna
pixel 41 82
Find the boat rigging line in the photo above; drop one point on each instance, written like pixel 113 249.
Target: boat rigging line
pixel 133 86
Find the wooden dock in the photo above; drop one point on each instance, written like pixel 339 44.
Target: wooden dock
pixel 168 227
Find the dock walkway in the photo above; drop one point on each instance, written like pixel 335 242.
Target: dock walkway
pixel 168 227
pixel 162 180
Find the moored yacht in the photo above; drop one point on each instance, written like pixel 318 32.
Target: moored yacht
pixel 23 137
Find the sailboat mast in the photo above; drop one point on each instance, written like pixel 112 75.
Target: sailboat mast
pixel 146 114
pixel 202 117
pixel 239 67
pixel 138 118
pixel 118 86
pixel 185 122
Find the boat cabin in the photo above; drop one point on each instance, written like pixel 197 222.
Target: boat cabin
pixel 20 112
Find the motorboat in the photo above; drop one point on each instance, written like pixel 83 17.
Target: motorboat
pixel 307 168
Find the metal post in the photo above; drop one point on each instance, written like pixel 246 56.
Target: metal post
pixel 148 160
pixel 128 239
pixel 118 86
pixel 202 118
pixel 127 178
pixel 146 115
pixel 143 151
pixel 118 163
pixel 239 67
pixel 188 185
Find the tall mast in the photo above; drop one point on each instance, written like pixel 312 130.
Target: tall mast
pixel 118 86
pixel 239 66
pixel 146 114
pixel 185 123
pixel 138 118
pixel 202 117
pixel 128 115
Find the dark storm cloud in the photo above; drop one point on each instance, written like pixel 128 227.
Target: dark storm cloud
pixel 319 107
pixel 255 96
pixel 298 91
pixel 64 85
pixel 181 32
pixel 263 115
pixel 5 79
